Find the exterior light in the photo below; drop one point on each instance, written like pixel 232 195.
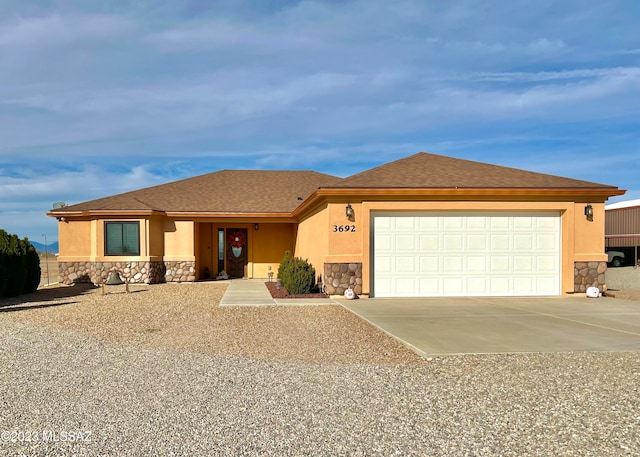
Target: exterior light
pixel 257 226
pixel 588 212
pixel 349 211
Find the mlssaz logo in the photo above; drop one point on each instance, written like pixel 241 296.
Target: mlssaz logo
pixel 66 436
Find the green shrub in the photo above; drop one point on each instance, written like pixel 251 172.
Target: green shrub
pixel 19 266
pixel 285 266
pixel 4 274
pixel 16 268
pixel 297 275
pixel 32 264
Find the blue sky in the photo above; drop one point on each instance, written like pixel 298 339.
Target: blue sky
pixel 98 98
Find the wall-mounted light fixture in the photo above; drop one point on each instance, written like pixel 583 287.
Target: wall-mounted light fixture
pixel 62 219
pixel 257 226
pixel 588 212
pixel 349 211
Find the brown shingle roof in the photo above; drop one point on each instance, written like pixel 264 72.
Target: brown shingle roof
pixel 423 170
pixel 226 191
pixel 264 191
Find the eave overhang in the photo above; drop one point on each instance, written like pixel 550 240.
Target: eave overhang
pixel 593 194
pixel 103 214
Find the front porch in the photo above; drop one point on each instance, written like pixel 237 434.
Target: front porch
pixel 241 249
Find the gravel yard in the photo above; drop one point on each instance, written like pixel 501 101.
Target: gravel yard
pixel 165 371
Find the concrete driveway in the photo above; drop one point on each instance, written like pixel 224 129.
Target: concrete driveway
pixel 447 326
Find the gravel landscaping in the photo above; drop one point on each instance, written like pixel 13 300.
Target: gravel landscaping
pixel 164 371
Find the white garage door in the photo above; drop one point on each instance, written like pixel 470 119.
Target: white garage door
pixel 466 254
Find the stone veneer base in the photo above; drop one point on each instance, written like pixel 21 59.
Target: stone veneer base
pixel 136 272
pixel 338 277
pixel 588 274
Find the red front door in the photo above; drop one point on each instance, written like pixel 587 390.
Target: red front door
pixel 237 257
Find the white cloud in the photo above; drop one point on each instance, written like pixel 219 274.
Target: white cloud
pixel 75 186
pixel 177 87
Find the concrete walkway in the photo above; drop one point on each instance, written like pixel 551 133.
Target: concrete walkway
pixel 253 292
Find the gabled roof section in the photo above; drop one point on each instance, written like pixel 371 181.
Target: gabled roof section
pixel 226 191
pixel 423 170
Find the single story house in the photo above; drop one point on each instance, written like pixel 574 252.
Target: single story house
pixel 422 226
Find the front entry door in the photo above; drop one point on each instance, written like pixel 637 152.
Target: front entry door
pixel 236 252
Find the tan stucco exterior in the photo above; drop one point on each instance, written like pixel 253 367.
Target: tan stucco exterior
pixel 323 235
pixel 321 240
pixel 178 244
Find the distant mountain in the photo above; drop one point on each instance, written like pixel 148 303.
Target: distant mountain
pixel 51 248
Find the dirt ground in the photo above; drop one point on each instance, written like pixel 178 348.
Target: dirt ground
pixel 187 317
pixel 49 270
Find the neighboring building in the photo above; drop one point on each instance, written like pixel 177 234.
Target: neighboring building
pixel 622 229
pixel 425 225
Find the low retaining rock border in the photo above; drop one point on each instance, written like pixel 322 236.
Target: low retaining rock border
pixel 134 272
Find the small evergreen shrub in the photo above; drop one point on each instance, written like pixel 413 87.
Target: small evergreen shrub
pixel 297 275
pixel 285 266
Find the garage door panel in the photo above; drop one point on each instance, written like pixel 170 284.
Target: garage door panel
pixel 476 264
pixel 500 285
pixel 430 287
pixel 406 264
pixel 384 243
pixel 383 265
pixel 500 263
pixel 477 286
pixel 477 242
pixel 383 223
pixel 547 242
pixel 523 264
pixel 547 264
pixel 452 223
pixel 430 264
pixel 405 243
pixel 479 223
pixel 551 223
pixel 406 223
pixel 453 286
pixel 452 264
pixel 429 243
pixel 445 254
pixel 523 242
pixel 406 287
pixel 547 285
pixel 499 222
pixel 523 286
pixel 500 243
pixel 428 223
pixel 522 223
pixel 453 242
pixel 384 287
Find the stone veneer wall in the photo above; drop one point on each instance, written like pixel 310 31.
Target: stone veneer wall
pixel 137 272
pixel 181 271
pixel 338 277
pixel 587 274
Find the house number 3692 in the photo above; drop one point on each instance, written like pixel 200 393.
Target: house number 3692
pixel 344 228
